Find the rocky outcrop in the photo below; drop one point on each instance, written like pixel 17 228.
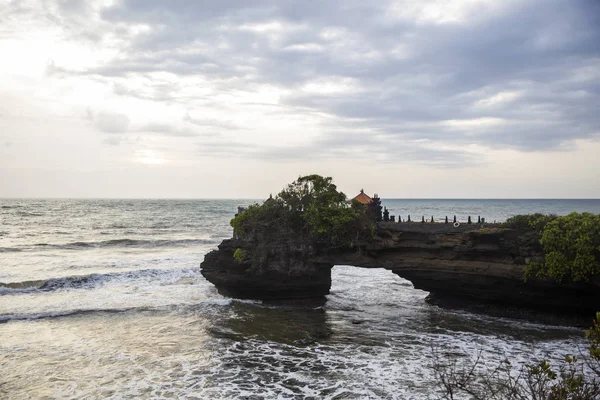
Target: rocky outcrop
pixel 268 271
pixel 471 262
pixel 275 264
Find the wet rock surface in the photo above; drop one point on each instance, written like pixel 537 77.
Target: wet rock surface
pixel 282 266
pixel 477 264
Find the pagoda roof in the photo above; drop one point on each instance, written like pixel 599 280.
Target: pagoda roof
pixel 362 197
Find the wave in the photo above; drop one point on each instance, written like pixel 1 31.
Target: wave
pixel 21 286
pixel 159 276
pixel 29 214
pixel 34 316
pixel 114 243
pixel 74 312
pixel 9 250
pixel 119 226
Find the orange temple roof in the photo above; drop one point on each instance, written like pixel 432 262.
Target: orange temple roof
pixel 362 198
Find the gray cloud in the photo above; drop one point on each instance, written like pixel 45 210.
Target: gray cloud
pixel 527 70
pixel 349 146
pixel 167 130
pixel 109 122
pixel 112 123
pixel 211 122
pixel 112 141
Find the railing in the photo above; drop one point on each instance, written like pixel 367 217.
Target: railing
pixel 432 220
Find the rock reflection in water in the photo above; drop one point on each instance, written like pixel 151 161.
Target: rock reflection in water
pixel 290 322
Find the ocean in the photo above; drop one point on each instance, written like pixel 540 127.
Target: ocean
pixel 104 299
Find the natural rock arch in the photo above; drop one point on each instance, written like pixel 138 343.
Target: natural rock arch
pixel 468 262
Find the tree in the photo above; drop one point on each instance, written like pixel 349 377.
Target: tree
pixel 374 209
pixel 312 206
pixel 571 246
pixel 570 243
pixel 525 222
pixel 309 191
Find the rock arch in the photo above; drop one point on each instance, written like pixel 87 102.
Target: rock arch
pixel 468 262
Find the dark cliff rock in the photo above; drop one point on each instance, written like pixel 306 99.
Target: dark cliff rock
pixel 481 265
pixel 279 265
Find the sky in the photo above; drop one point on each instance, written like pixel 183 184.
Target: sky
pixel 235 99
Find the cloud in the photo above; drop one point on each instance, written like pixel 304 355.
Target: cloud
pixel 167 130
pixel 112 141
pixel 345 78
pixel 211 122
pixel 357 61
pixel 349 147
pixel 110 122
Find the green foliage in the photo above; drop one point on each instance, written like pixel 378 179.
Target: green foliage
pixel 535 222
pixel 310 192
pixel 571 249
pixel 573 382
pixel 325 210
pixel 575 379
pixel 571 245
pixel 239 255
pixel 593 336
pixel 311 205
pixel 258 217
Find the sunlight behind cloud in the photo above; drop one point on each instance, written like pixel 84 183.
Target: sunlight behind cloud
pixel 354 88
pixel 499 99
pixel 149 157
pixel 28 58
pixel 476 123
pixel 441 11
pixel 332 85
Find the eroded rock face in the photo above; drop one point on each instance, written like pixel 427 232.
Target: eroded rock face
pixel 281 266
pixel 469 262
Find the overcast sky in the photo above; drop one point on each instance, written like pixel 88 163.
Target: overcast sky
pixel 406 98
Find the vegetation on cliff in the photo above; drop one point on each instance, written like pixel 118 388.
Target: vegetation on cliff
pixel 571 248
pixel 526 222
pixel 239 255
pixel 571 245
pixel 313 207
pixel 575 378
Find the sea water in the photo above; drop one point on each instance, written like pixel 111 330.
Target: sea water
pixel 104 299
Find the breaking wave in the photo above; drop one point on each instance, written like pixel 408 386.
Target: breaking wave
pixel 18 317
pixel 9 249
pixel 157 276
pixel 29 214
pixel 204 304
pixel 114 243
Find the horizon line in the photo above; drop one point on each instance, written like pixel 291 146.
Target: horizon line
pixel 254 198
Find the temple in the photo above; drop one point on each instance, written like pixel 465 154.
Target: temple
pixel 362 197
